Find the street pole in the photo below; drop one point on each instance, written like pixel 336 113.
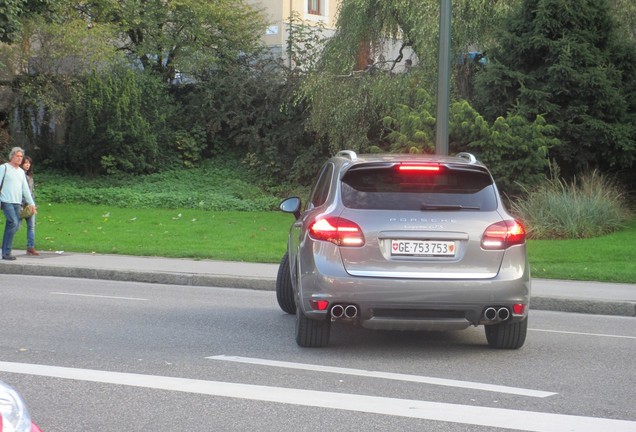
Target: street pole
pixel 290 41
pixel 443 78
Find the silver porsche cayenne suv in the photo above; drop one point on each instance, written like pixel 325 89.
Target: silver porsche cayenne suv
pixel 405 242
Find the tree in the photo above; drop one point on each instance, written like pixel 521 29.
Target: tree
pixel 414 23
pixel 52 57
pixel 69 43
pixel 185 35
pixel 347 102
pixel 567 63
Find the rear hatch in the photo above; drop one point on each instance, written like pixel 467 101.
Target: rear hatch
pixel 420 220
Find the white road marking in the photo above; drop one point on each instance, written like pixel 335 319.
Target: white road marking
pixel 98 296
pixel 465 414
pixel 387 375
pixel 584 334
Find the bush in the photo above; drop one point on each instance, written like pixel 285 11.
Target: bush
pixel 589 206
pixel 115 124
pixel 514 149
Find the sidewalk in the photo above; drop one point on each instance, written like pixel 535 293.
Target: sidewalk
pixel 547 294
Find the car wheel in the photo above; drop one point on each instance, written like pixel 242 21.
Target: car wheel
pixel 311 333
pixel 507 335
pixel 284 289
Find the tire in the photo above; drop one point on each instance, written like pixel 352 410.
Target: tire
pixel 507 335
pixel 311 333
pixel 284 288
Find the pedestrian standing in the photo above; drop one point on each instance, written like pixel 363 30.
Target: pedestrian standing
pixel 13 188
pixel 27 166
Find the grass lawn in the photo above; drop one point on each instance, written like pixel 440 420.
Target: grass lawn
pixel 191 233
pixel 261 237
pixel 610 258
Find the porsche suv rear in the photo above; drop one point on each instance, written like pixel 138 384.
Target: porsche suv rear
pixel 405 242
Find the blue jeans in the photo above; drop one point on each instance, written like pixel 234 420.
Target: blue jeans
pixel 12 213
pixel 30 223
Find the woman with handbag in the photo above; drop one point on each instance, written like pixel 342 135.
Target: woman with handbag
pixel 25 213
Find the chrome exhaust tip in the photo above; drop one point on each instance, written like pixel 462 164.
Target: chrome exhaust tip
pixel 351 311
pixel 503 313
pixel 490 313
pixel 337 311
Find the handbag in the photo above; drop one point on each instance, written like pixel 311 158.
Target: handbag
pixel 26 211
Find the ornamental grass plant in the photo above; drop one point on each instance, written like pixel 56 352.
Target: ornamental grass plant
pixel 588 206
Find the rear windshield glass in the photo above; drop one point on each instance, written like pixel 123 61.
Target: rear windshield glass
pixel 384 188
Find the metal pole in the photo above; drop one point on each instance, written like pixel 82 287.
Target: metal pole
pixel 443 78
pixel 289 42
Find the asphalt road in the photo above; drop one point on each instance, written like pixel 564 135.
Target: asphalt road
pixel 92 355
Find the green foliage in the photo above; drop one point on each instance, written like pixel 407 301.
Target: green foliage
pixel 514 149
pixel 114 121
pixel 68 47
pixel 568 64
pixel 40 99
pixel 305 44
pixel 277 146
pixel 10 25
pixel 186 35
pixel 13 14
pixel 625 13
pixel 590 206
pixel 351 111
pixel 63 42
pixel 218 185
pixel 349 108
pixel 415 23
pixel 51 60
pixel 250 111
pixel 411 130
pixel 189 146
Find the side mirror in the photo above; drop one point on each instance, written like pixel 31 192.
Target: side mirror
pixel 291 205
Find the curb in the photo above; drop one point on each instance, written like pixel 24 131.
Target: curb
pixel 595 307
pixel 561 304
pixel 167 278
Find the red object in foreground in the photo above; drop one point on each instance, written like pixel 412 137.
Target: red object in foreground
pixel 34 427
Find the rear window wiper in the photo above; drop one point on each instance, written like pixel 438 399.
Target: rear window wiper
pixel 448 207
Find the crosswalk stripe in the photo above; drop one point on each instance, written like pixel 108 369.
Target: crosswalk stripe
pixel 388 375
pixel 465 414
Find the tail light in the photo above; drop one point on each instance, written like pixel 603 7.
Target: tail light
pixel 518 308
pixel 419 168
pixel 319 304
pixel 337 230
pixel 502 235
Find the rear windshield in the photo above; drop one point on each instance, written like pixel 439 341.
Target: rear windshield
pixel 384 188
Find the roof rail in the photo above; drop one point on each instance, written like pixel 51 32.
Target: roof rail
pixel 468 156
pixel 348 154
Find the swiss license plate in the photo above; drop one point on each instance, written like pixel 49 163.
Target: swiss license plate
pixel 423 247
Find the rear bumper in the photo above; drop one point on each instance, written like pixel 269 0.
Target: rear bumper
pixel 419 304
